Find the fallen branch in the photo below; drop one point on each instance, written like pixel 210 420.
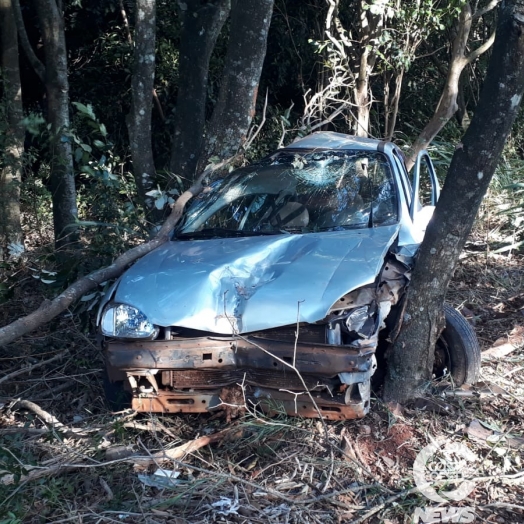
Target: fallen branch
pixel 184 449
pixel 52 392
pixel 37 410
pixel 35 472
pixel 50 309
pixel 501 505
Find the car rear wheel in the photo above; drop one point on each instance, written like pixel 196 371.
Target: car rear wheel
pixel 457 350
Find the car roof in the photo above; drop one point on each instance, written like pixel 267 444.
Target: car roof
pixel 332 140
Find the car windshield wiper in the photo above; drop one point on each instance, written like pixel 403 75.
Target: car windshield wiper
pixel 218 232
pixel 212 232
pixel 346 227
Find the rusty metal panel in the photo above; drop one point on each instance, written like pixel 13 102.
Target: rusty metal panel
pixel 165 402
pixel 193 353
pixel 211 353
pixel 330 407
pixel 269 401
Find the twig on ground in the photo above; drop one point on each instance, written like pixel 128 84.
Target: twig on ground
pixel 184 449
pixel 377 508
pixel 332 467
pixel 500 505
pixel 53 391
pixel 27 369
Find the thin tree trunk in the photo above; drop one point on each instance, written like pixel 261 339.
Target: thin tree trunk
pixel 246 51
pixel 362 99
pixel 201 25
pixel 392 106
pixel 411 360
pixel 139 120
pixel 37 66
pixel 11 174
pixel 447 105
pixel 370 28
pixel 57 87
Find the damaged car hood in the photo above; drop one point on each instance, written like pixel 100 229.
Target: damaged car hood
pixel 250 284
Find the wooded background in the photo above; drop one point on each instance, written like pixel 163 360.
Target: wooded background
pixel 113 109
pixel 115 113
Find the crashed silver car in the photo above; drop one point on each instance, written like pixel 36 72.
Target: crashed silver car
pixel 279 288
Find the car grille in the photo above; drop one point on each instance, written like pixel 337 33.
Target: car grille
pixel 202 379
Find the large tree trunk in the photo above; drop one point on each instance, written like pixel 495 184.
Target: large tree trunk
pixel 447 105
pixel 57 87
pixel 11 174
pixel 411 360
pixel 201 25
pixel 246 51
pixel 139 120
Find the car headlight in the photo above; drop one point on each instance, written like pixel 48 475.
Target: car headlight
pixel 361 321
pixel 123 321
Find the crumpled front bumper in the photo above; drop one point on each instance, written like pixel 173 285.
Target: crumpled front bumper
pixel 196 375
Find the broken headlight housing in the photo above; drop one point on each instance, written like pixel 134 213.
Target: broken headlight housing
pixel 123 321
pixel 361 321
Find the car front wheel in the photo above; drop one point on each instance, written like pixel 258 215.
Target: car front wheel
pixel 457 349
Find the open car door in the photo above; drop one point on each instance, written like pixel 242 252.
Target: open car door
pixel 425 192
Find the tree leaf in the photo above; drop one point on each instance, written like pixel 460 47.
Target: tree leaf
pixel 85 109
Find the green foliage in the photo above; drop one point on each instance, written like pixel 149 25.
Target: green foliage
pixel 107 208
pixel 507 192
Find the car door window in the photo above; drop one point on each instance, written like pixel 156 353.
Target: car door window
pixel 425 192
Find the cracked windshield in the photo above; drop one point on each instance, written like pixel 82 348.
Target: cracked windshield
pixel 292 192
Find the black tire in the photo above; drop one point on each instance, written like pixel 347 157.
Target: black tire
pixel 458 349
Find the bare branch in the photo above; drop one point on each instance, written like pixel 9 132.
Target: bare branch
pixel 255 130
pixel 185 449
pixel 126 22
pixel 489 7
pixel 482 49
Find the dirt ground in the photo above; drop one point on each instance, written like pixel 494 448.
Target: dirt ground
pixel 76 461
